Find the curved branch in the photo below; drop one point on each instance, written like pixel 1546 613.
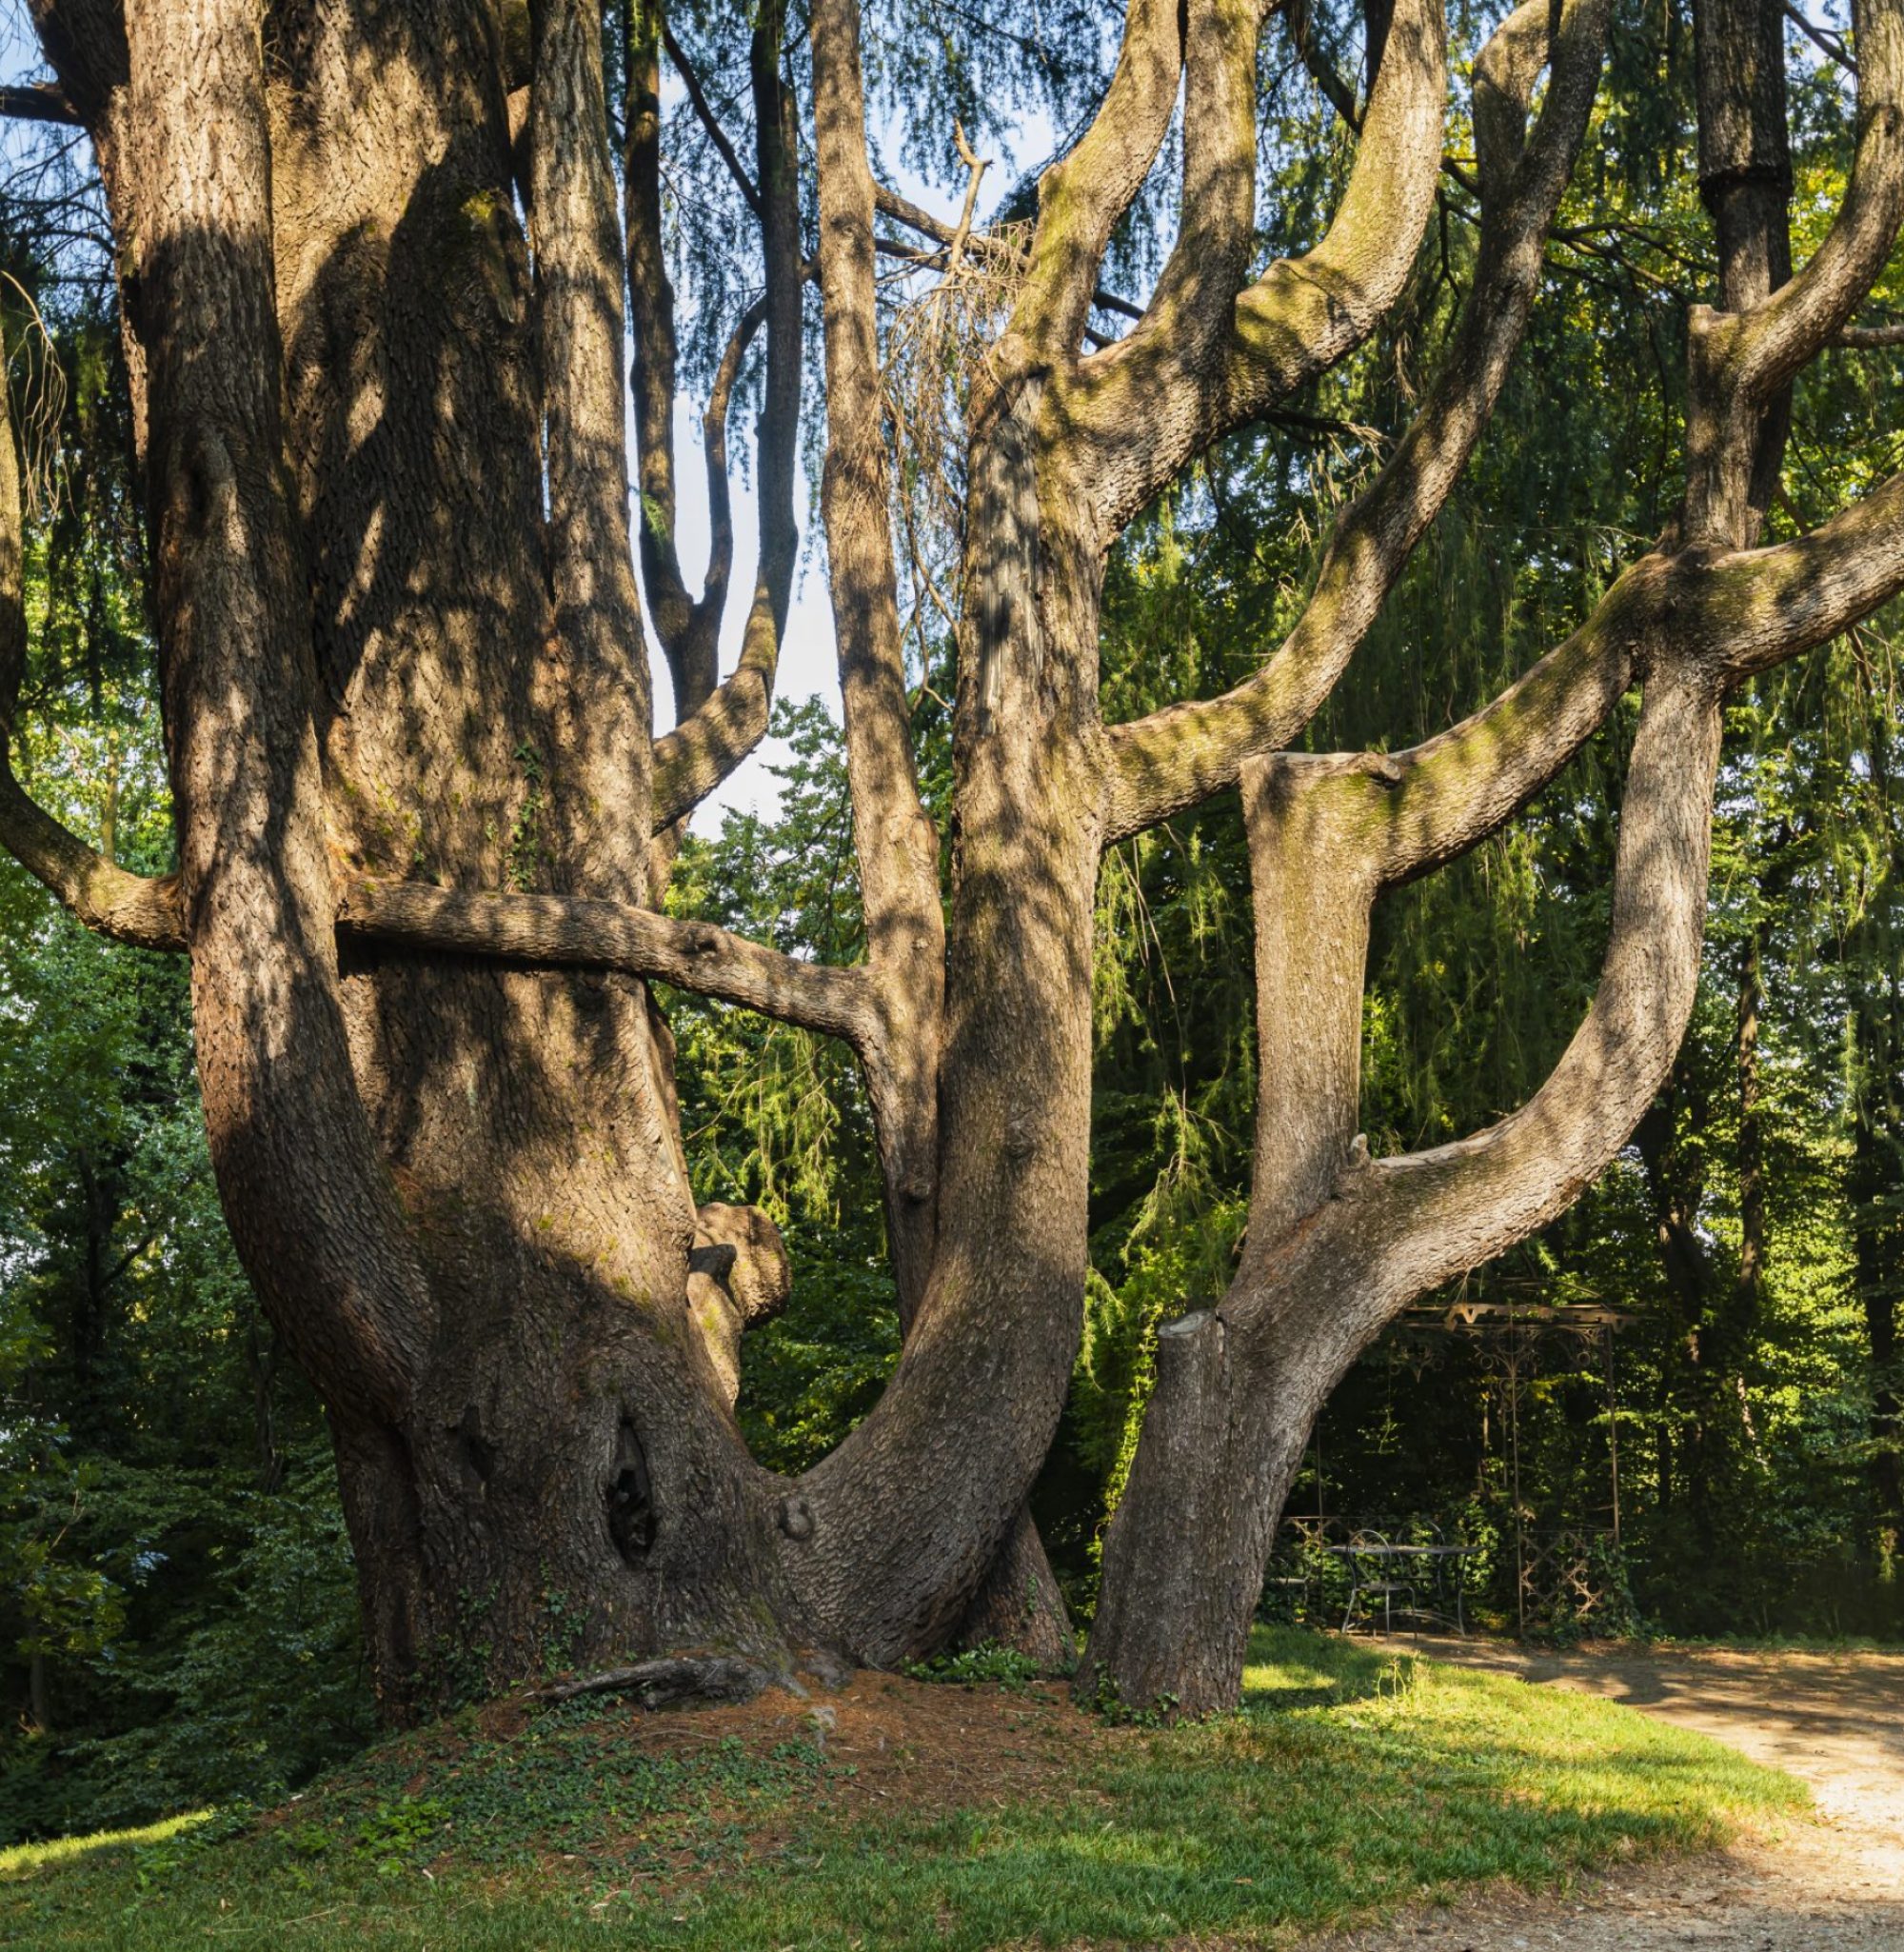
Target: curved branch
pixel 699 753
pixel 714 452
pixel 1182 754
pixel 1298 318
pixel 141 910
pixel 1409 813
pixel 720 722
pixel 1759 607
pixel 573 933
pixel 1082 194
pixel 1397 1226
pixel 128 907
pixel 1870 338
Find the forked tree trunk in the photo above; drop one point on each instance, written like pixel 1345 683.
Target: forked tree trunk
pixel 1338 1242
pixel 457 1185
pixel 408 723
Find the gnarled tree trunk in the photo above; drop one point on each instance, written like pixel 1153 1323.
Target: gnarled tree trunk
pixel 377 266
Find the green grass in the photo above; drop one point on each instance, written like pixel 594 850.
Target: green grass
pixel 1347 1782
pixel 20 1859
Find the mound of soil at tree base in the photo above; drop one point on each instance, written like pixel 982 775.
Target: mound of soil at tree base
pixel 1835 1721
pixel 895 1742
pixel 744 1775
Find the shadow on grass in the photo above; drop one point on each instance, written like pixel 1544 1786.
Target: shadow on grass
pixel 1290 1669
pixel 1349 1781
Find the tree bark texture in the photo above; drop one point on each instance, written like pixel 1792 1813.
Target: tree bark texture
pixel 378 268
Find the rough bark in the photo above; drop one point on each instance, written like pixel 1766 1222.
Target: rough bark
pixel 1338 1242
pixel 1308 1298
pixel 423 818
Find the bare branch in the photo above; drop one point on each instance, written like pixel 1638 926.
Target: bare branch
pixel 711 122
pixel 572 932
pixel 889 203
pixel 1336 90
pixel 1821 37
pixel 1870 338
pixel 1183 753
pixel 38 101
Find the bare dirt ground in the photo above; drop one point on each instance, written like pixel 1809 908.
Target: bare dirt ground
pixel 1835 1721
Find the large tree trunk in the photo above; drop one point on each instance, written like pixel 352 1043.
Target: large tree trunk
pixel 1338 1242
pixel 415 654
pixel 407 697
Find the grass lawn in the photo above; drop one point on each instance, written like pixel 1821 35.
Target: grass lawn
pixel 903 1815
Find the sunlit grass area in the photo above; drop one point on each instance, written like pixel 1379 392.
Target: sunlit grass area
pixel 1349 1781
pixel 20 1860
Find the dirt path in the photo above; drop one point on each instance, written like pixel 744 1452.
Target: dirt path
pixel 1836 1722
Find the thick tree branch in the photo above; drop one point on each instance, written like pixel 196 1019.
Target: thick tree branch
pixel 1338 1245
pixel 143 910
pixel 1208 356
pixel 85 44
pixel 572 932
pixel 1082 194
pixel 598 679
pixel 1404 814
pixel 894 838
pixel 1183 753
pixel 1759 606
pixel 38 101
pixel 1398 1226
pixel 720 722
